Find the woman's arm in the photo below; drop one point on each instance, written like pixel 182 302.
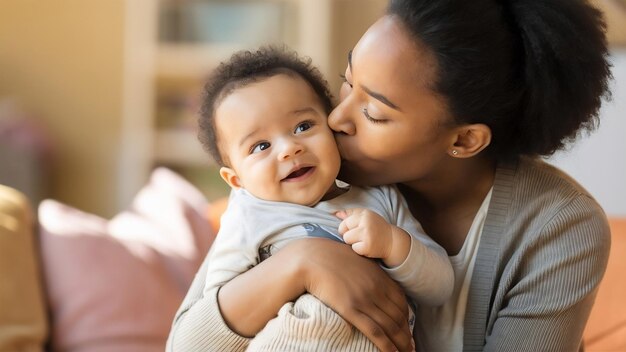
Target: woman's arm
pixel 353 286
pixel 199 323
pixel 253 298
pixel 359 291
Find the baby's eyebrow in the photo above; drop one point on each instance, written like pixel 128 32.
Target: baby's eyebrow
pixel 303 111
pixel 247 136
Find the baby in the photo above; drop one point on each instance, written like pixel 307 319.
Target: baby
pixel 264 122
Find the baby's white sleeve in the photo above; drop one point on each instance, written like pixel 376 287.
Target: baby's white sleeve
pixel 426 274
pixel 231 253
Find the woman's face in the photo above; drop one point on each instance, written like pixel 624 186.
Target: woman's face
pixel 392 128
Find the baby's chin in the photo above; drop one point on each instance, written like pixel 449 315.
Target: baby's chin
pixel 309 202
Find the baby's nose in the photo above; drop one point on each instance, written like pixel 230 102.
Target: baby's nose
pixel 290 149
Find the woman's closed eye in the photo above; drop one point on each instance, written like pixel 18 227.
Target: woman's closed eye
pixel 259 147
pixel 371 118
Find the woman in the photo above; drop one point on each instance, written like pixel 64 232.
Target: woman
pixel 453 100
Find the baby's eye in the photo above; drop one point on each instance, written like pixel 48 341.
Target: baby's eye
pixel 260 147
pixel 303 126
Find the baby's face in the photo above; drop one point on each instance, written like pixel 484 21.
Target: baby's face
pixel 276 139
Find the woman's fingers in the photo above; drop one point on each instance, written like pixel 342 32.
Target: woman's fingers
pixel 380 318
pixel 361 292
pixel 375 333
pixel 396 331
pixel 393 311
pixel 396 301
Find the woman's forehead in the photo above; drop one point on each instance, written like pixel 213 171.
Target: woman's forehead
pixel 388 58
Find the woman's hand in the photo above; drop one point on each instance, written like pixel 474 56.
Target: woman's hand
pixel 357 289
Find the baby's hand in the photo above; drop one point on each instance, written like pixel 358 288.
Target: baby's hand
pixel 366 231
pixel 371 236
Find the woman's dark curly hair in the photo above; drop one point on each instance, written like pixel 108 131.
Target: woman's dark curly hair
pixel 534 71
pixel 244 68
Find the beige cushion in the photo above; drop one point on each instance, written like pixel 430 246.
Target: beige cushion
pixel 114 285
pixel 23 324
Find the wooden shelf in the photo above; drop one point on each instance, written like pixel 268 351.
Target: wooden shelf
pixel 180 147
pixel 191 60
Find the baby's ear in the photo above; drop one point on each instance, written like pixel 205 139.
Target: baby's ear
pixel 230 177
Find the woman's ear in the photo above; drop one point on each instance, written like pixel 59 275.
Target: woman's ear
pixel 470 140
pixel 230 177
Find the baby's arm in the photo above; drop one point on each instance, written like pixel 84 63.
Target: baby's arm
pixel 415 261
pixel 370 235
pixel 426 274
pixel 229 257
pixel 233 253
pixel 220 321
pixel 411 258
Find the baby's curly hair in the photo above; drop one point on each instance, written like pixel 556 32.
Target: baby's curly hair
pixel 246 67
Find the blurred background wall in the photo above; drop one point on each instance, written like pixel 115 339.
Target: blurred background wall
pixel 61 65
pixel 95 94
pixel 112 84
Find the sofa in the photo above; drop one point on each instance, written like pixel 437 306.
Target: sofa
pixel 78 282
pixel 73 281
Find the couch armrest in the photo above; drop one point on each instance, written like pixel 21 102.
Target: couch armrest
pixel 606 328
pixel 23 323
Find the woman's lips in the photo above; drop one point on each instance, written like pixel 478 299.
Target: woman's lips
pixel 299 174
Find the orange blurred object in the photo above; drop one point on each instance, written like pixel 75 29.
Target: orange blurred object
pixel 606 328
pixel 215 211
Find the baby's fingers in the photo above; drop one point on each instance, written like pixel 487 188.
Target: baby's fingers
pixel 360 244
pixel 342 214
pixel 349 223
pixel 361 248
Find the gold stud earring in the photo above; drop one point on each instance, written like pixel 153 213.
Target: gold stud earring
pixel 454 152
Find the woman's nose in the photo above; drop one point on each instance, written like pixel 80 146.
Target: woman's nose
pixel 340 119
pixel 289 149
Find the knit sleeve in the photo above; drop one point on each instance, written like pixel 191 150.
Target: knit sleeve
pixel 199 325
pixel 554 284
pixel 309 325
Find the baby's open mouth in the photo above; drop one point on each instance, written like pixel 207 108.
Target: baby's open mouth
pixel 298 173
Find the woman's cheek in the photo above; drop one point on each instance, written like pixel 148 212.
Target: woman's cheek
pixel 374 146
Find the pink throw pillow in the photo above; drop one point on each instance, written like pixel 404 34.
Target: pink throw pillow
pixel 114 285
